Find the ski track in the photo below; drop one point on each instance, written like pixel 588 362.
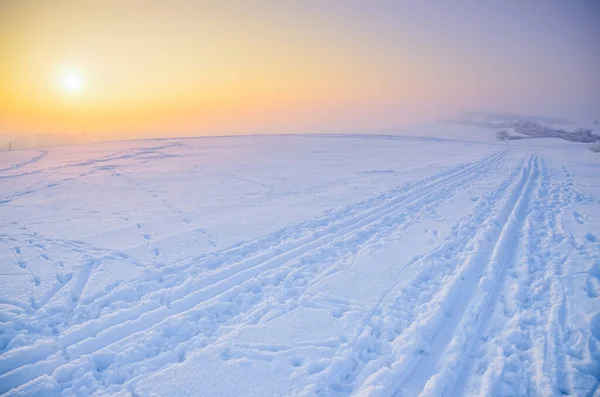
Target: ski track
pixel 167 276
pixel 530 319
pixel 453 313
pixel 390 346
pixel 504 260
pixel 41 154
pixel 483 313
pixel 178 275
pixel 210 295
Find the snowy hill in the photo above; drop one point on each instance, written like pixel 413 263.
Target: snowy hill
pixel 442 265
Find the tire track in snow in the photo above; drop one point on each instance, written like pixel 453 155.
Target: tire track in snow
pixel 144 317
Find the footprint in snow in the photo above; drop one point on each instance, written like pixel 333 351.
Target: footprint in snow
pixel 579 218
pixel 592 282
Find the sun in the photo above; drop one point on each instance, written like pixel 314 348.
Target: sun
pixel 72 82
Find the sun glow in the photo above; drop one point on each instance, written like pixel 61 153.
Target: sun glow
pixel 189 68
pixel 72 82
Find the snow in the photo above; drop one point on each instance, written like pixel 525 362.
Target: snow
pixel 371 265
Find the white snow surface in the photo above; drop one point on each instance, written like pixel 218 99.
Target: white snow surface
pixel 324 265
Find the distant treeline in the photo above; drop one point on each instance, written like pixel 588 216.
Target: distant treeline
pixel 534 129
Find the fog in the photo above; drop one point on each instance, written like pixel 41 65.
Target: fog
pixel 82 72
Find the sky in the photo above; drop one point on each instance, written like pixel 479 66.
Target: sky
pixel 94 70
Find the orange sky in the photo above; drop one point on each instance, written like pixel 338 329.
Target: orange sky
pixel 152 68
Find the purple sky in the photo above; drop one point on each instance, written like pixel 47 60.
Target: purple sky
pixel 147 68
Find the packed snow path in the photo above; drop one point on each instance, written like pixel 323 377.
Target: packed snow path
pixel 330 265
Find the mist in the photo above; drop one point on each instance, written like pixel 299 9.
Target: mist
pixel 148 69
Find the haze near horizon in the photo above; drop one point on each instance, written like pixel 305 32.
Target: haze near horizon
pixel 88 71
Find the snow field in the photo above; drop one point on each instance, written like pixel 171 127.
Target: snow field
pixel 498 296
